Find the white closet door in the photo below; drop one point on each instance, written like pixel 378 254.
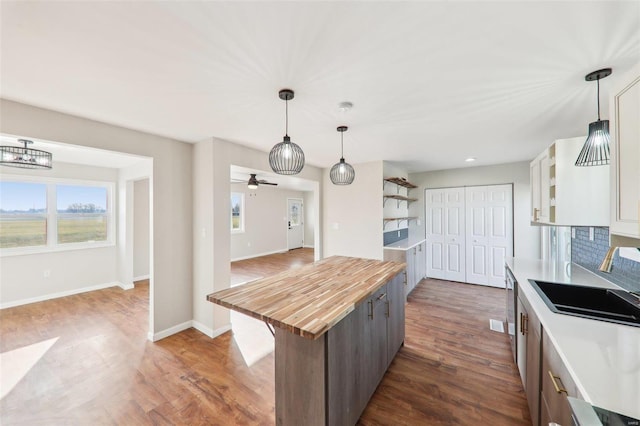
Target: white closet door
pixel 489 236
pixel 500 199
pixel 454 236
pixel 445 233
pixel 477 237
pixel 435 224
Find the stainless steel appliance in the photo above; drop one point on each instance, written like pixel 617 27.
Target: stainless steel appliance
pixel 584 414
pixel 511 283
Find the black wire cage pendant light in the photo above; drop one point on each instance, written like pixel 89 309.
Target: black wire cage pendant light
pixel 25 157
pixel 286 158
pixel 595 151
pixel 342 173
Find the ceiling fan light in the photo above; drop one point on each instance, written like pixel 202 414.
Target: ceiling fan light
pixel 595 151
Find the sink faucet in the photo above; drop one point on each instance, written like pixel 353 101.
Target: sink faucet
pixel 607 263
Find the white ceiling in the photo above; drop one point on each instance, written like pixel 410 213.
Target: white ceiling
pixel 431 82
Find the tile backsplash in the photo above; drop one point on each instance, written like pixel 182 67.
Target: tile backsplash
pixel 391 237
pixel 589 254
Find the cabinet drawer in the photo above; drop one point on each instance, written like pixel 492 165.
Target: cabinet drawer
pixel 557 384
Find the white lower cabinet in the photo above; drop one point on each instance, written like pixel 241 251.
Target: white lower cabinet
pixel 415 259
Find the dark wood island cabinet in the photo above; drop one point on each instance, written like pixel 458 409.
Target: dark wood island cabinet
pixel 338 325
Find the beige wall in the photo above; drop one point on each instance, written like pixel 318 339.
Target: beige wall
pixel 172 296
pixel 265 220
pixel 352 214
pixel 526 237
pixel 309 221
pixel 22 277
pixel 212 160
pixel 141 228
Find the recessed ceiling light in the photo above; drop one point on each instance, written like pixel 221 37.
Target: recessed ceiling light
pixel 345 106
pixel 470 159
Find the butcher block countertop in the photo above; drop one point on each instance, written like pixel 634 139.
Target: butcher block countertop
pixel 309 300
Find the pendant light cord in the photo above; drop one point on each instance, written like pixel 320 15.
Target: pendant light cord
pixel 341 145
pixel 598 82
pixel 286 114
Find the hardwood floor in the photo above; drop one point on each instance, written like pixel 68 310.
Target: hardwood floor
pixel 102 370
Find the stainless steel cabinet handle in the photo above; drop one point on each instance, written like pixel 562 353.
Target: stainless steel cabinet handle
pixel 388 313
pixel 382 296
pixel 370 309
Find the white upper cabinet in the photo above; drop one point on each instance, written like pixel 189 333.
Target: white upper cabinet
pixel 625 161
pixel 564 194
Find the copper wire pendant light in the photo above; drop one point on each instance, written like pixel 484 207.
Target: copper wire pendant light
pixel 286 158
pixel 342 173
pixel 595 151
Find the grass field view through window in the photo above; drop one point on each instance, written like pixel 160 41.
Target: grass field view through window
pixel 80 215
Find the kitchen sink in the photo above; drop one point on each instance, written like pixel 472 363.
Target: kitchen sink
pixel 597 303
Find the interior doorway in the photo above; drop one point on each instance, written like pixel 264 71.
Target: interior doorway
pixel 295 223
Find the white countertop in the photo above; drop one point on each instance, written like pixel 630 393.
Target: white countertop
pixel 603 358
pixel 405 244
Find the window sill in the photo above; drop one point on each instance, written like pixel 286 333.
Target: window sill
pixel 22 251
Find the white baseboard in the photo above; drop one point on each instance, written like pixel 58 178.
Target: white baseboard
pixel 141 277
pixel 125 286
pixel 171 330
pixel 188 324
pixel 59 294
pixel 308 246
pixel 259 255
pixel 208 331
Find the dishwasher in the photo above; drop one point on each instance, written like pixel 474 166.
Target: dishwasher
pixel 510 284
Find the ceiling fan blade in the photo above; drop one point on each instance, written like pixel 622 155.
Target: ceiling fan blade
pixel 268 183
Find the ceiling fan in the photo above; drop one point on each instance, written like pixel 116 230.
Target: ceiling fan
pixel 253 183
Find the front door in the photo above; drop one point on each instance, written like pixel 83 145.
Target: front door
pixel 295 223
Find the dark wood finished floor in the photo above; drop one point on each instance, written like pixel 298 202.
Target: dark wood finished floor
pixel 102 370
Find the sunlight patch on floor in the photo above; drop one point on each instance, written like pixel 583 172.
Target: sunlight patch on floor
pixel 15 364
pixel 253 338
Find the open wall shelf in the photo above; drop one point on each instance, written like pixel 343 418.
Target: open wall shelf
pixel 400 182
pixel 398 198
pixel 395 219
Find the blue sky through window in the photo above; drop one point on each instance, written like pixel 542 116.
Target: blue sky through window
pixel 68 195
pixel 28 196
pixel 23 196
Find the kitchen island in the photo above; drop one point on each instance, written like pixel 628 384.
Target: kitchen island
pixel 338 324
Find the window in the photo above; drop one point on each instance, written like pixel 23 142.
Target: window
pixel 237 212
pixel 23 214
pixel 39 214
pixel 82 213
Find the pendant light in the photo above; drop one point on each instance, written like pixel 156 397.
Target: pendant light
pixel 595 151
pixel 25 157
pixel 342 173
pixel 286 158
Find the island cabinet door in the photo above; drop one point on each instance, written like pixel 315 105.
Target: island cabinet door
pixel 347 396
pixel 375 360
pixel 395 316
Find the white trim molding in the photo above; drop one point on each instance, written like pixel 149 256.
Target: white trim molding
pixel 140 278
pixel 60 294
pixel 186 325
pixel 125 286
pixel 260 254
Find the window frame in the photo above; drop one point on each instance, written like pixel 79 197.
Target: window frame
pixel 242 214
pixel 52 215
